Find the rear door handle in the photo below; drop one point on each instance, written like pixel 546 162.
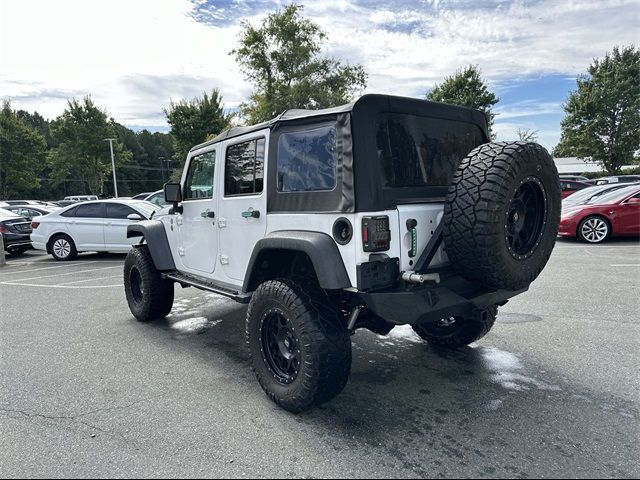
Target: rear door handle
pixel 251 214
pixel 208 214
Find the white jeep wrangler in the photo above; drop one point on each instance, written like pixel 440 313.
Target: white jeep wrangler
pixel 382 212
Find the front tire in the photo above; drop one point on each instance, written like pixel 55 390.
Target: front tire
pixel 299 346
pixel 148 294
pixel 456 332
pixel 594 229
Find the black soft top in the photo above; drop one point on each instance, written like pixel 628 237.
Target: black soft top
pixel 363 107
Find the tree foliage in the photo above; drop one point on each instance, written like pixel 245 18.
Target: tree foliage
pixel 194 121
pixel 466 88
pixel 22 152
pixel 282 60
pixel 603 114
pixel 80 150
pixel 527 135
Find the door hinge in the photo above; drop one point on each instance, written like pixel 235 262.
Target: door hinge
pixel 222 222
pixel 181 251
pixel 179 220
pixel 224 260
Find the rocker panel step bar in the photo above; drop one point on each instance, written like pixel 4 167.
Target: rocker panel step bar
pixel 208 286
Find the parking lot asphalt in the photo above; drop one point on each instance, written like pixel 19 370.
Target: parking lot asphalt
pixel 86 390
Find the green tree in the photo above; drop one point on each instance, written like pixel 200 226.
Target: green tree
pixel 466 88
pixel 603 115
pixel 281 59
pixel 22 155
pixel 193 121
pixel 80 152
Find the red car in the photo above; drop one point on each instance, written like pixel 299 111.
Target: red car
pixel 616 213
pixel 567 187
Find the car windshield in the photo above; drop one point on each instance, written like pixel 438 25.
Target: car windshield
pixel 585 195
pixel 613 197
pixel 5 214
pixel 146 208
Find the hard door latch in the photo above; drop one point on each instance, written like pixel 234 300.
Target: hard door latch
pixel 208 214
pixel 251 213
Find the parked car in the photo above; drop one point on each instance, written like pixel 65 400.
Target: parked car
pixel 616 213
pixel 583 196
pixel 15 232
pixel 575 178
pixel 30 211
pixel 42 203
pixel 618 179
pixel 568 187
pixel 157 198
pixel 97 226
pixel 81 198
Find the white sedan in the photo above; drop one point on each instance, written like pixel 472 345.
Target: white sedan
pixel 98 226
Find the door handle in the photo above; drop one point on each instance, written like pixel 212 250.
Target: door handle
pixel 251 214
pixel 208 214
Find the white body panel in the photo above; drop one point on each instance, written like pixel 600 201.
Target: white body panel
pixel 87 233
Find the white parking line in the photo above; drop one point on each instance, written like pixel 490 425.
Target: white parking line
pixel 67 264
pixel 60 286
pixel 90 279
pixel 60 274
pixel 625 265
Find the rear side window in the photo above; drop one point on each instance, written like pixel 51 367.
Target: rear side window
pixel 118 210
pixel 90 210
pixel 199 182
pixel 244 168
pixel 420 151
pixel 69 213
pixel 307 160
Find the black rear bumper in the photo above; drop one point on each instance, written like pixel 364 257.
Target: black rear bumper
pixel 432 302
pixel 13 241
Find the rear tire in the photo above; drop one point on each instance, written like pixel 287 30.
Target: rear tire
pixel 502 213
pixel 63 248
pixel 149 295
pixel 17 251
pixel 456 332
pixel 299 346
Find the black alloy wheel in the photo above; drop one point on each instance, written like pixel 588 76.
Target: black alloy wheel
pixel 280 345
pixel 525 218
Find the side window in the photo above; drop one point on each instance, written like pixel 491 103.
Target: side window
pixel 307 160
pixel 90 210
pixel 69 213
pixel 199 182
pixel 118 210
pixel 244 168
pixel 34 213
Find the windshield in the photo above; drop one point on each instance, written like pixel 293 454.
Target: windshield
pixel 146 208
pixel 613 197
pixel 583 196
pixel 420 151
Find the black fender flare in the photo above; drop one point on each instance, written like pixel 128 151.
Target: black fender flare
pixel 319 247
pixel 156 237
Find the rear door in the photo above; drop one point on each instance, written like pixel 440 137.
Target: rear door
pixel 87 226
pixel 243 207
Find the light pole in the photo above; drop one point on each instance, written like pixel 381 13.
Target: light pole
pixel 113 166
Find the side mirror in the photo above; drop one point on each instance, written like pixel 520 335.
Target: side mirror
pixel 173 194
pixel 135 217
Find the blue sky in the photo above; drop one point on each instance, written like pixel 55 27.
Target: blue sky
pixel 133 56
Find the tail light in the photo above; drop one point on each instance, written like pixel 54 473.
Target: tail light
pixel 35 225
pixel 376 236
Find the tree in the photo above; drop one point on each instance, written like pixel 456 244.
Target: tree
pixel 466 88
pixel 80 151
pixel 603 114
pixel 22 155
pixel 281 59
pixel 193 121
pixel 527 135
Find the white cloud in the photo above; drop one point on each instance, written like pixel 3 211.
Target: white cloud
pixel 132 56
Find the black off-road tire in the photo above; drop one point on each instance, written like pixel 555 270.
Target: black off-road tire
pixel 58 250
pixel 322 342
pixel 150 297
pixel 462 332
pixel 481 213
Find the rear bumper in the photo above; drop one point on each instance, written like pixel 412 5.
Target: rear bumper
pixel 432 302
pixel 13 242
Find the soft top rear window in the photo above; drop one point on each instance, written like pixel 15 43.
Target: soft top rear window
pixel 421 151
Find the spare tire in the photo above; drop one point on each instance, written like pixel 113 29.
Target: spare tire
pixel 501 214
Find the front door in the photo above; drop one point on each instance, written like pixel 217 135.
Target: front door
pixel 197 224
pixel 629 216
